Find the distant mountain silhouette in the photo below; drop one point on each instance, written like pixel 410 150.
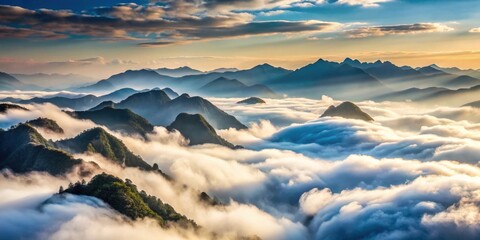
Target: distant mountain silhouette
pixel 223 87
pixel 462 81
pixel 251 100
pixel 435 96
pixel 97 140
pixel 85 102
pixel 347 110
pixel 102 105
pixel 178 72
pixel 403 77
pixel 132 78
pixel 409 94
pixel 256 75
pixel 47 124
pixel 222 70
pixel 9 82
pixel 4 107
pixel 196 128
pixel 452 97
pixel 122 120
pixel 328 78
pixel 429 70
pixel 458 71
pixel 158 109
pixel 54 80
pixel 475 104
pixel 23 149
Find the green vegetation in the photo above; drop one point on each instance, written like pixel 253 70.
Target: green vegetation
pixel 126 199
pixel 97 140
pixel 47 124
pixel 23 149
pixel 4 107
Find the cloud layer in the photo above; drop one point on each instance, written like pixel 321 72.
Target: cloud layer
pixel 411 173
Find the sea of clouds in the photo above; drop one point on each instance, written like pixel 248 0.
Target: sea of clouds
pixel 411 174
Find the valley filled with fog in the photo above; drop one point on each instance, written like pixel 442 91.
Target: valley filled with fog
pixel 410 172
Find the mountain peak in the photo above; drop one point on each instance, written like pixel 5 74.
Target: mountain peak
pixel 197 129
pixel 349 60
pixel 97 140
pixel 47 124
pixel 184 95
pixel 251 100
pixel 264 66
pixel 347 110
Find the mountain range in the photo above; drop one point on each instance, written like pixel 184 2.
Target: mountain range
pixel 9 83
pixel 142 79
pixel 79 103
pixel 122 120
pixel 53 80
pixel 328 78
pixel 159 109
pixel 371 80
pixel 224 87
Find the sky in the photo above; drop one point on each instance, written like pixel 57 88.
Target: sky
pixel 100 38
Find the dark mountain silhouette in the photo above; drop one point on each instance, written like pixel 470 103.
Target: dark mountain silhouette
pixel 158 109
pixel 409 94
pixel 196 128
pixel 363 65
pixel 256 75
pixel 328 78
pixel 132 78
pixel 119 94
pixel 4 107
pixel 475 104
pixel 170 93
pixel 97 140
pixel 85 102
pixel 223 87
pixel 193 105
pixel 47 124
pixel 178 72
pixel 9 82
pixel 124 197
pixel 251 100
pixel 462 81
pixel 458 71
pixel 122 120
pixel 452 97
pixel 145 103
pixel 347 110
pixel 429 70
pixel 102 105
pixel 23 149
pixel 403 77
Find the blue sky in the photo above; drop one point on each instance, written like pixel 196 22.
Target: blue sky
pixel 209 34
